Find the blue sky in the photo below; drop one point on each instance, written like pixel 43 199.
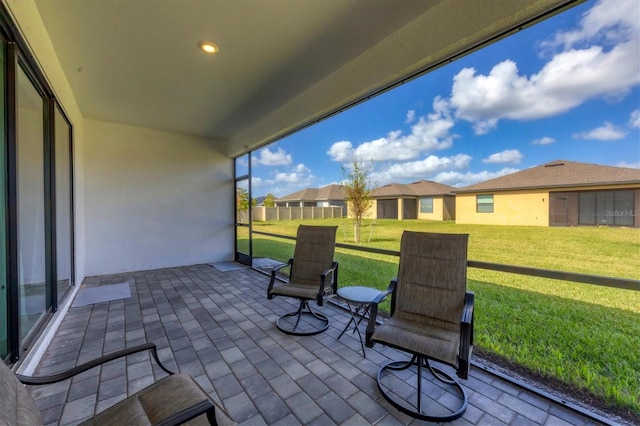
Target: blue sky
pixel 567 88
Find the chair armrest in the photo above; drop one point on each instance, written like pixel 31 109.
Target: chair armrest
pixel 273 277
pixel 466 336
pixel 333 269
pixel 373 311
pixel 45 380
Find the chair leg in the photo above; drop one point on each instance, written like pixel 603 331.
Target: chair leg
pixel 211 417
pixel 416 411
pixel 303 309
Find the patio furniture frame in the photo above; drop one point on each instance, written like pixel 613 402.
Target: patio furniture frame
pixel 425 315
pixel 313 276
pixel 172 400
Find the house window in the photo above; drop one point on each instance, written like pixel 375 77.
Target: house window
pixel 484 203
pixel 606 208
pixel 426 205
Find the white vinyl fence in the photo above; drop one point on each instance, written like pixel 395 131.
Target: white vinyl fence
pixel 262 214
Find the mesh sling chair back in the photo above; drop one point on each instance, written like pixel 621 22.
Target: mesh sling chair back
pixel 173 400
pixel 313 275
pixel 431 318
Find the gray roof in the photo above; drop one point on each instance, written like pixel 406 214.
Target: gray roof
pixel 421 188
pixel 329 192
pixel 558 174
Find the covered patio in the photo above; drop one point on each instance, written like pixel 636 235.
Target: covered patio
pixel 139 143
pixel 218 327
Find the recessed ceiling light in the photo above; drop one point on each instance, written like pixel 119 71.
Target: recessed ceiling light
pixel 209 47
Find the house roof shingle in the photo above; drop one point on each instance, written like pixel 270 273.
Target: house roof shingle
pixel 420 188
pixel 556 174
pixel 329 192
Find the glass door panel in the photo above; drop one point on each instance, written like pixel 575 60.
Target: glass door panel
pixel 4 319
pixel 243 206
pixel 31 227
pixel 64 248
pixel 242 202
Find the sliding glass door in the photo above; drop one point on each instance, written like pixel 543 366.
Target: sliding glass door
pixel 32 272
pixel 63 196
pixel 4 285
pixel 36 200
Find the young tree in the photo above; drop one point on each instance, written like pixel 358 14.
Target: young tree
pixel 242 199
pixel 269 200
pixel 357 189
pixel 242 204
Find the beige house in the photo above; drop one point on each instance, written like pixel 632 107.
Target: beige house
pixel 418 200
pixel 559 193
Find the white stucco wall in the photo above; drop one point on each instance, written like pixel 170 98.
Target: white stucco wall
pixel 154 199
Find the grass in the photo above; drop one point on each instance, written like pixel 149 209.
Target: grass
pixel 583 337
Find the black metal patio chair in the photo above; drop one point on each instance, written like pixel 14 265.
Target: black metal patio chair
pixel 313 276
pixel 172 400
pixel 431 318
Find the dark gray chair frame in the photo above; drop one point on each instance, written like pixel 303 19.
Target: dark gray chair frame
pixel 327 285
pixel 304 308
pixel 420 360
pixel 203 406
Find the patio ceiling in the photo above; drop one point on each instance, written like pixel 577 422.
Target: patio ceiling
pixel 283 64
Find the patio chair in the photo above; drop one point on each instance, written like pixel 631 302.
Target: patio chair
pixel 313 276
pixel 173 400
pixel 431 318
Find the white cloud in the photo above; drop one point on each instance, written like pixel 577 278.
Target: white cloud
pixel 629 165
pixel 606 132
pixel 422 169
pixel 411 115
pixel 610 21
pixel 569 79
pixel 545 140
pixel 460 180
pixel 430 133
pixel 277 158
pixel 634 119
pixel 298 175
pixel 283 182
pixel 511 156
pixel 257 181
pixel 341 151
pixel 301 168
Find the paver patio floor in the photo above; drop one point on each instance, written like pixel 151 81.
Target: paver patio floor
pixel 219 328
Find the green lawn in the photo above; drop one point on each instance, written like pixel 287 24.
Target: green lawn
pixel 581 335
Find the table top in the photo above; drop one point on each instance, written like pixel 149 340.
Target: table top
pixel 358 294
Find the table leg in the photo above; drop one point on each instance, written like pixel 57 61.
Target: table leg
pixel 356 323
pixel 349 323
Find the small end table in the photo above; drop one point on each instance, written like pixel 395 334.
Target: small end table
pixel 358 300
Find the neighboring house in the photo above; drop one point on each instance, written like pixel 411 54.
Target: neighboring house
pixel 418 200
pixel 327 196
pixel 559 193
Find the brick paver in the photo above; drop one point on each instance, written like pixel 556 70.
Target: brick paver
pixel 219 328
